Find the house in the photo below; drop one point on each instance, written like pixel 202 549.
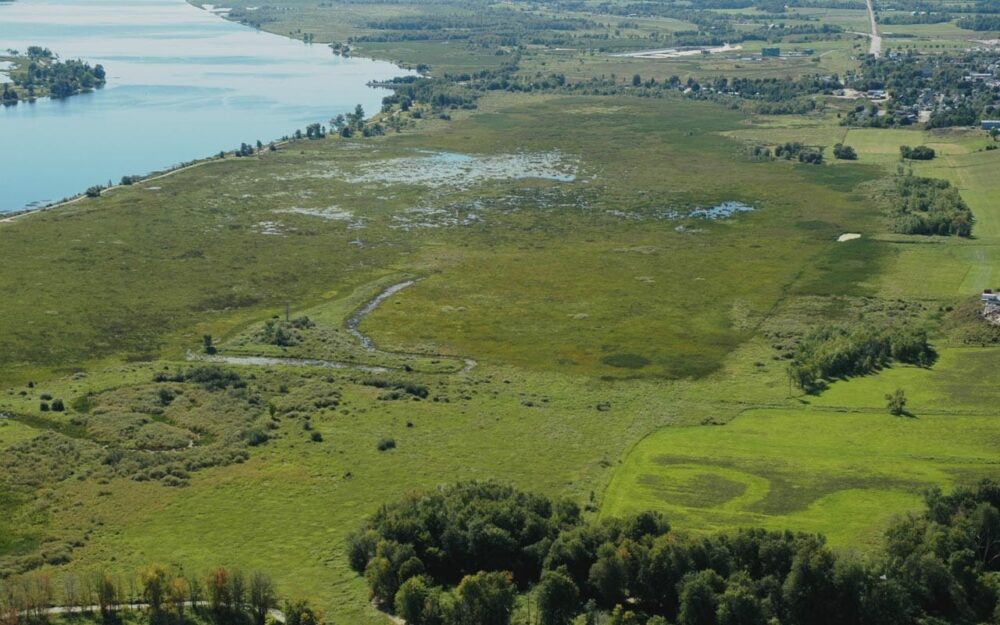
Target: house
pixel 990 297
pixel 770 52
pixel 876 94
pixel 990 124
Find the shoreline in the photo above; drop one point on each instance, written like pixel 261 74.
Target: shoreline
pixel 16 214
pixel 156 175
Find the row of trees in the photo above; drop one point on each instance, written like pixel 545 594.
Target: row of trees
pixel 838 352
pixel 223 596
pixel 942 566
pixel 980 22
pixel 795 150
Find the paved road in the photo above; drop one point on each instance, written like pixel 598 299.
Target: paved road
pixel 875 49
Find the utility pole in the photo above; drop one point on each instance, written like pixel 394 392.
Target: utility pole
pixel 288 314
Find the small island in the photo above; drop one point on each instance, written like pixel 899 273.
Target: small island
pixel 39 73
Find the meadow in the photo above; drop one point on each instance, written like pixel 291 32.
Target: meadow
pixel 576 326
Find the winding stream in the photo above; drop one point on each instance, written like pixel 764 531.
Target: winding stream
pixel 354 321
pixel 353 325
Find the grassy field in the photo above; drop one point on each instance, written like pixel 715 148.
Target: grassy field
pixel 574 327
pixel 218 266
pixel 843 473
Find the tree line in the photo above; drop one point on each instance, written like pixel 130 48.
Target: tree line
pixel 167 596
pixel 834 352
pixel 474 552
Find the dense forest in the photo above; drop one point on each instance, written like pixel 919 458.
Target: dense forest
pixel 836 352
pixel 980 22
pixel 464 554
pixel 39 73
pixel 928 206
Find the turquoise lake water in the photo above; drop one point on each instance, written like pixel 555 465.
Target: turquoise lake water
pixel 183 83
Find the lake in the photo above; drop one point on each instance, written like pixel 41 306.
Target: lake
pixel 183 84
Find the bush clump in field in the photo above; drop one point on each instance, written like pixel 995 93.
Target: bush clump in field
pixel 256 437
pixel 929 206
pixel 919 153
pixel 438 557
pixel 789 150
pixel 210 378
pixel 795 150
pixel 844 152
pixel 812 156
pixel 284 333
pixel 385 444
pixel 838 352
pixel 415 390
pixel 759 152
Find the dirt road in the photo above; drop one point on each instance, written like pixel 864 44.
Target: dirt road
pixel 875 49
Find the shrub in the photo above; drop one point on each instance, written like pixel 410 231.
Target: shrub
pixel 844 152
pixel 386 444
pixel 256 437
pixel 416 390
pixel 58 406
pixel 811 157
pixel 896 402
pixel 211 378
pixel 919 153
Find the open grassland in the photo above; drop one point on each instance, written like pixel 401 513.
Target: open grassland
pixel 569 260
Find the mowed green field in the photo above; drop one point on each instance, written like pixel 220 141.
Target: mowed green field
pixel 842 473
